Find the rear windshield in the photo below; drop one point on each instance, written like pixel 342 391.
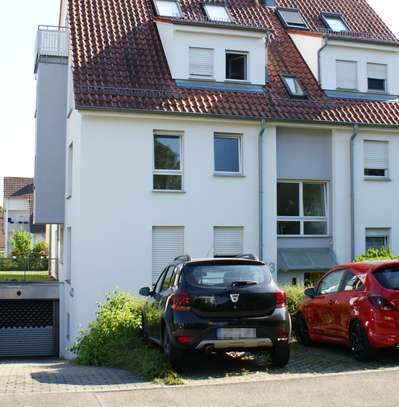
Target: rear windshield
pixel 388 278
pixel 226 276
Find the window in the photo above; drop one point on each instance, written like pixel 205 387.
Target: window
pixel 167 243
pixel 217 13
pixel 167 8
pixel 68 274
pixel 376 77
pixel 69 171
pixel 167 282
pixel 291 18
pixel 302 208
pixel 201 62
pixel 346 72
pixel 227 241
pixel 376 159
pixel 377 238
pixel 388 278
pixel 168 172
pixel 293 86
pixel 334 22
pixel 236 65
pixel 330 284
pixel 351 282
pixel 227 151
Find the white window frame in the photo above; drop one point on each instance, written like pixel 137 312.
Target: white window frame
pixel 382 92
pixel 386 172
pixel 356 88
pixel 246 71
pixel 240 154
pixel 379 233
pixel 301 218
pixel 167 1
pixel 199 76
pixel 155 171
pixel 69 181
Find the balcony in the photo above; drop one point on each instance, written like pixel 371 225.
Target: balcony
pixel 52 42
pixel 28 269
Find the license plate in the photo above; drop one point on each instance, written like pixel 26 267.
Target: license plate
pixel 236 333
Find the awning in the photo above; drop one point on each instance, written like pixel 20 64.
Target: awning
pixel 309 259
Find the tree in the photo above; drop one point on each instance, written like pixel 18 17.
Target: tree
pixel 21 243
pixel 40 249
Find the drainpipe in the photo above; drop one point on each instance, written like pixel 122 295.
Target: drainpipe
pixel 319 58
pixel 260 169
pixel 352 175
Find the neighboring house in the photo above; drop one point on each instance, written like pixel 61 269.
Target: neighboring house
pixel 172 127
pixel 18 211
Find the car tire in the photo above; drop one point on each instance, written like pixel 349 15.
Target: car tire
pixel 174 356
pixel 281 354
pixel 361 349
pixel 302 330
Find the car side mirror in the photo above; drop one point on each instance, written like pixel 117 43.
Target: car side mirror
pixel 310 292
pixel 145 291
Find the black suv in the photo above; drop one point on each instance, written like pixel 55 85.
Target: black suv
pixel 229 304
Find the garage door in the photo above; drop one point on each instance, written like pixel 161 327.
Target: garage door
pixel 167 243
pixel 228 241
pixel 28 328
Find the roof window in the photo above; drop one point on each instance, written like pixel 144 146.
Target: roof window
pixel 217 13
pixel 293 86
pixel 291 18
pixel 167 8
pixel 334 22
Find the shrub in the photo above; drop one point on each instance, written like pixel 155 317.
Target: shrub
pixel 295 295
pixel 40 249
pixel 21 243
pixel 376 254
pixel 115 339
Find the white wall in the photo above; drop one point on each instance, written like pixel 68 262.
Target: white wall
pixel 112 208
pixel 176 40
pixel 362 54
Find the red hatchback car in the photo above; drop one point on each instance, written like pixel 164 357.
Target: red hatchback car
pixel 354 304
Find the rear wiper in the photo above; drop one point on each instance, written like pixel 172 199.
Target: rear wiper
pixel 243 283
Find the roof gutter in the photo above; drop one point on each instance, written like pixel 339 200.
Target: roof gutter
pixel 260 178
pixel 352 176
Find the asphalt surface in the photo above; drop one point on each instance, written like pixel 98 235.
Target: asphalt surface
pixel 370 389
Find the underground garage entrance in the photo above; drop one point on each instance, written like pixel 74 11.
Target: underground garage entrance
pixel 29 320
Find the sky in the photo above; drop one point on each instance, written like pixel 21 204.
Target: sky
pixel 18 23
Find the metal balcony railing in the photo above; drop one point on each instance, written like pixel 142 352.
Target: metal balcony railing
pixel 51 41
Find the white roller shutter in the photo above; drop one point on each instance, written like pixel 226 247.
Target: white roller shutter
pixel 376 155
pixel 201 62
pixel 228 241
pixel 167 243
pixel 376 71
pixel 346 75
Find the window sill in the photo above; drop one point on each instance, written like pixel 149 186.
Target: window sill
pixel 168 191
pixel 246 81
pixel 377 179
pixel 306 236
pixel 229 174
pixel 201 78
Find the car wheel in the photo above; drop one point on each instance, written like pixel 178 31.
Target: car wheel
pixel 175 356
pixel 361 349
pixel 281 354
pixel 302 330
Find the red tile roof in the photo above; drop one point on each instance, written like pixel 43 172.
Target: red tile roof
pixel 119 63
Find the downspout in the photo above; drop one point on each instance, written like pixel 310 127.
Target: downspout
pixel 319 58
pixel 260 169
pixel 352 175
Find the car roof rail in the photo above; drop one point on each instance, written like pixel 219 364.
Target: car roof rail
pixel 248 256
pixel 183 257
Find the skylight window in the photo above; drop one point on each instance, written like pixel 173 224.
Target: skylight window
pixel 291 18
pixel 334 22
pixel 167 8
pixel 293 86
pixel 217 13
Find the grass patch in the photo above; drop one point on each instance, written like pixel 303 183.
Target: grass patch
pixel 20 276
pixel 115 339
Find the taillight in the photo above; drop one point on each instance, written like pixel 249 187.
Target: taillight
pixel 180 302
pixel 380 302
pixel 281 299
pixel 184 339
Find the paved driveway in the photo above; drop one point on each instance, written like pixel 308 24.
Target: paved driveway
pixel 55 376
